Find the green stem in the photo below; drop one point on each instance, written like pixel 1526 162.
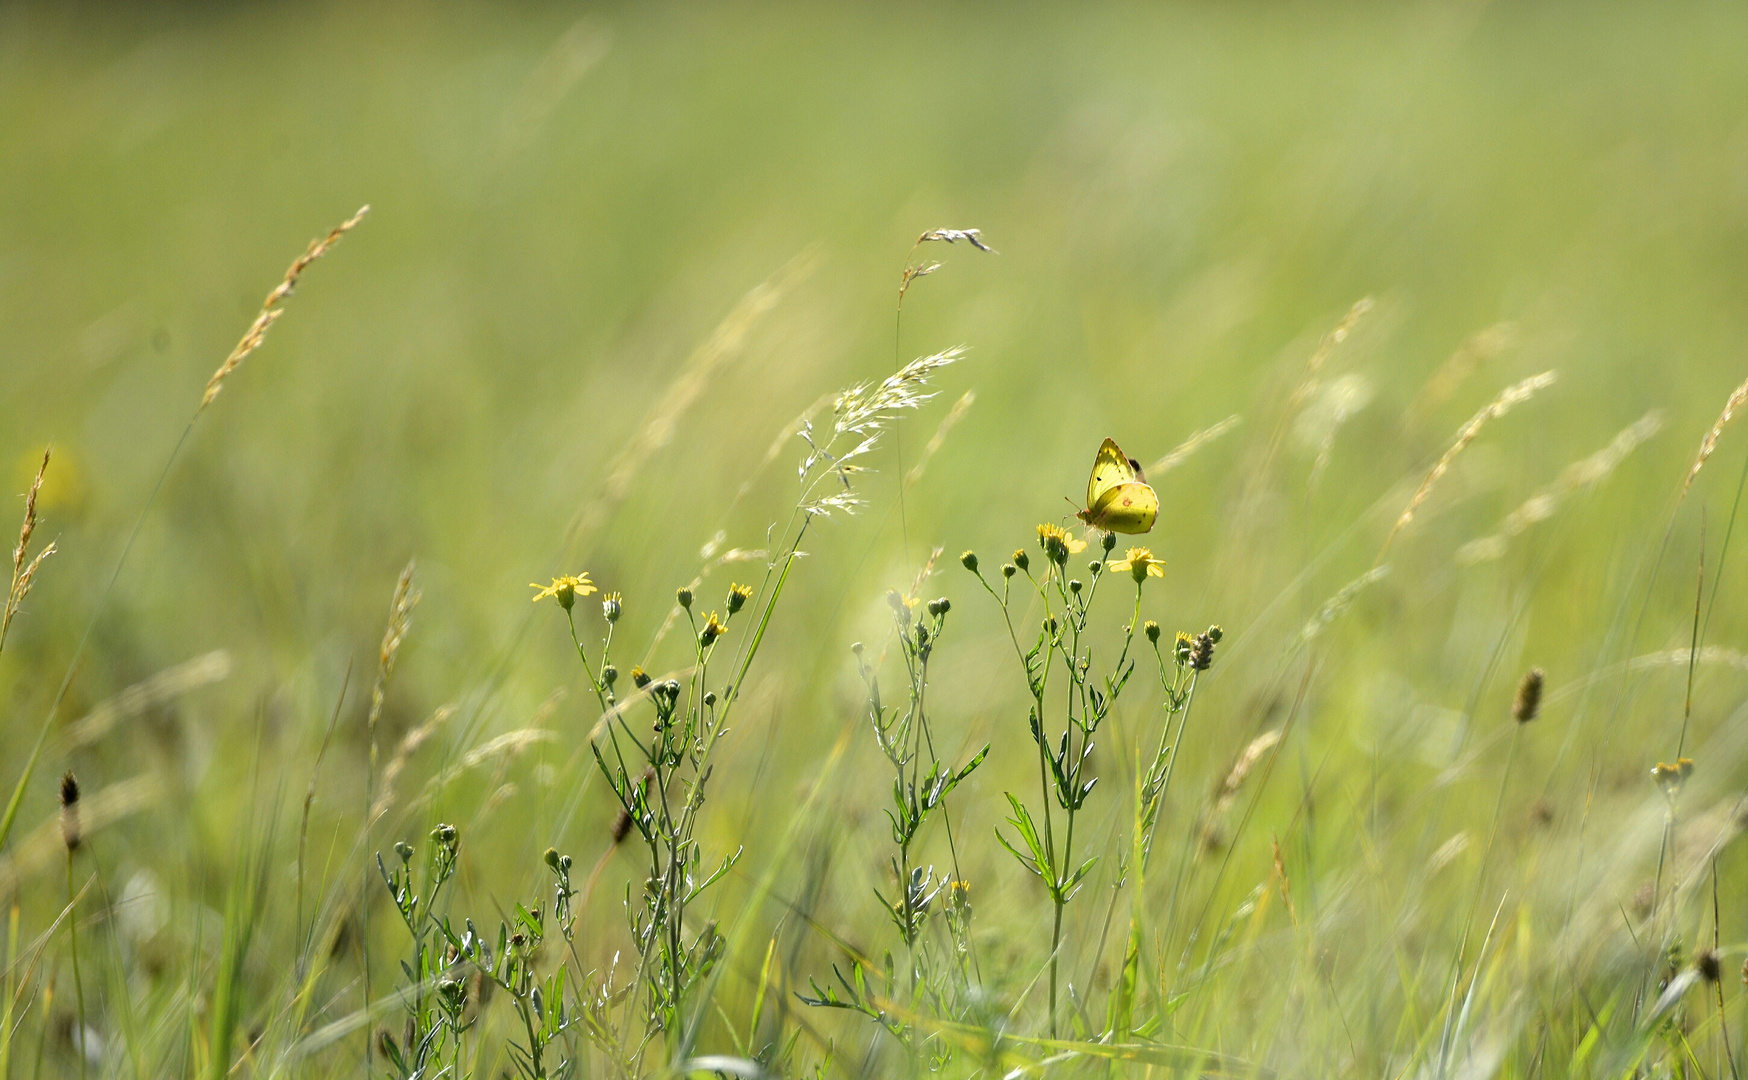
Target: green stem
pixel 78 982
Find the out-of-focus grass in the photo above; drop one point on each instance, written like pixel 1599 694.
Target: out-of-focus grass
pixel 1184 200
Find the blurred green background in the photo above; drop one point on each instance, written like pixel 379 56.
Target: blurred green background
pixel 567 204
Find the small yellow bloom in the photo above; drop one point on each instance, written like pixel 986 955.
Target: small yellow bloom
pixel 1058 545
pixel 713 629
pixel 564 589
pixel 1140 564
pixel 1671 777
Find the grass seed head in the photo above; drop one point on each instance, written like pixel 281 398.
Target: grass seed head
pixel 71 833
pixel 1529 696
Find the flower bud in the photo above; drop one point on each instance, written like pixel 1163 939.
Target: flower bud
pixel 1008 570
pixel 639 677
pixel 684 596
pixel 610 607
pixel 552 857
pixel 1020 558
pixel 738 595
pixel 1151 629
pixel 968 559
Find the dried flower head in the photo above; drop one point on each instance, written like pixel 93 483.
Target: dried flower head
pixel 564 589
pixel 1529 696
pixel 1058 545
pixel 1140 564
pixel 1201 652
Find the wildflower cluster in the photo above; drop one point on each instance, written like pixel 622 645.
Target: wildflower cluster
pixel 937 968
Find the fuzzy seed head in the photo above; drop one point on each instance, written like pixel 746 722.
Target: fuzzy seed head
pixel 1529 696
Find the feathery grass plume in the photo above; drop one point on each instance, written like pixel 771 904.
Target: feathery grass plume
pixel 974 237
pixel 1586 472
pixel 1227 793
pixel 1321 421
pixel 1336 606
pixel 1529 696
pixel 1192 444
pixel 861 413
pixel 911 273
pixel 166 685
pixel 1710 442
pixel 954 415
pixel 400 612
pixel 721 348
pixel 1480 348
pixel 1499 406
pixel 1325 349
pixel 409 745
pixel 274 306
pixel 1669 658
pixel 24 573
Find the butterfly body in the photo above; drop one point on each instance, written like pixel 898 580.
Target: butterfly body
pixel 1118 498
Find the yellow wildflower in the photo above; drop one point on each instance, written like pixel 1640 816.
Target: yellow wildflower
pixel 1058 545
pixel 1140 564
pixel 564 589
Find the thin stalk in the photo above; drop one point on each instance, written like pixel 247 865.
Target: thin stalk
pixel 78 982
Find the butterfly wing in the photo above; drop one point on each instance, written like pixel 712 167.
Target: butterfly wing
pixel 1110 469
pixel 1130 507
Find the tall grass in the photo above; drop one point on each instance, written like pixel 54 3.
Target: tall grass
pixel 762 784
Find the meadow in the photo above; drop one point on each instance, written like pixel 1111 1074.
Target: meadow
pixel 768 341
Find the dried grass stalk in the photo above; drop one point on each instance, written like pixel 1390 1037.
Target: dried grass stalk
pixel 1326 348
pixel 400 615
pixel 1192 444
pixel 1586 472
pixel 954 415
pixel 24 573
pixel 1508 398
pixel 1710 442
pixel 274 306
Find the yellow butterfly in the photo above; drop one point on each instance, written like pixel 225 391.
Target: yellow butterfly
pixel 1117 496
